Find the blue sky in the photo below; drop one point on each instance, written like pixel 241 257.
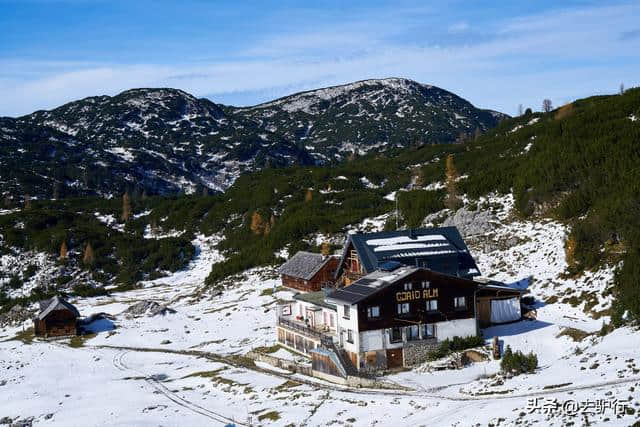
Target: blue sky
pixel 495 54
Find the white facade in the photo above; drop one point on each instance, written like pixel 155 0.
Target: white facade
pixel 348 334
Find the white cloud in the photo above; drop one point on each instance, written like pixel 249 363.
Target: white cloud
pixel 558 55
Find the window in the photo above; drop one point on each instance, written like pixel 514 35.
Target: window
pixel 459 303
pixel 403 308
pixel 373 312
pixel 395 335
pixel 426 284
pixel 412 333
pixel 286 310
pixel 350 336
pixel 346 314
pixel 432 305
pixel 408 286
pixel 331 321
pixel 428 331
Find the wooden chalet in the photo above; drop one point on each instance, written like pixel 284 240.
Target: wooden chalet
pixel 394 316
pixel 57 318
pixel 438 249
pixel 308 272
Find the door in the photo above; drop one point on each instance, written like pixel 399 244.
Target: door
pixel 484 312
pixel 394 358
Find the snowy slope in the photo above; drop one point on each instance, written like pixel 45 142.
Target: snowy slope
pixel 183 368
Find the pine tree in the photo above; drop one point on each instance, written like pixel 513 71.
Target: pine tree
pixel 326 249
pixel 64 254
pixel 126 207
pixel 309 196
pixel 452 200
pixel 257 223
pixel 88 258
pixel 570 250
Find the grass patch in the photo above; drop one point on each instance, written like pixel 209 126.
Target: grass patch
pixel 25 336
pixel 574 334
pixel 79 340
pixel 271 416
pixel 287 385
pixel 270 291
pixel 268 350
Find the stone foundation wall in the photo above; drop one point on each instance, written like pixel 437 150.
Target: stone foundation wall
pixel 416 352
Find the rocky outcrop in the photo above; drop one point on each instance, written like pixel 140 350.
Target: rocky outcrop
pixel 16 316
pixel 472 223
pixel 148 308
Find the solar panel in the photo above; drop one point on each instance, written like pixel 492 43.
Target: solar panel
pixel 389 265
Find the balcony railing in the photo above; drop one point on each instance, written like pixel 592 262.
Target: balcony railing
pixel 305 330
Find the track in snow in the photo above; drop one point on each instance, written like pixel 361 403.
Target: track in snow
pixel 118 362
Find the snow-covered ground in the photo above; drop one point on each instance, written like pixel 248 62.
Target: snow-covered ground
pixel 185 368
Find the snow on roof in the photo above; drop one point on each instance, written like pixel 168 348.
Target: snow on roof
pixel 56 303
pixel 408 246
pixel 405 239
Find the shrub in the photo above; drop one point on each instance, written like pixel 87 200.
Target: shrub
pixel 517 362
pixel 15 282
pixel 88 290
pixel 449 346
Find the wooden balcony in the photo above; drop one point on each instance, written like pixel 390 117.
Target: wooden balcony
pixel 302 328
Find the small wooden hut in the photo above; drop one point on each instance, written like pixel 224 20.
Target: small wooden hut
pixel 57 318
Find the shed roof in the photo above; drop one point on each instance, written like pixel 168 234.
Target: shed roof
pixel 441 247
pixel 315 298
pixel 56 303
pixel 304 265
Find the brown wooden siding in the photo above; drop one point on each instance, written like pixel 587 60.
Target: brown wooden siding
pixel 447 287
pixel 58 323
pixel 324 275
pixel 395 358
pixel 323 363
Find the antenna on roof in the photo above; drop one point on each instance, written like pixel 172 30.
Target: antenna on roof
pixel 397 220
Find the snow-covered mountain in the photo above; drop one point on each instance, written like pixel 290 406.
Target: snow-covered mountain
pixel 371 115
pixel 166 141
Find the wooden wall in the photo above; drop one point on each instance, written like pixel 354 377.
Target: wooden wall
pixel 448 287
pixel 325 274
pixel 57 324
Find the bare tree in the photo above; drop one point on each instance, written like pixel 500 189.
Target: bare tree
pixel 257 223
pixel 520 110
pixel 64 253
pixel 452 201
pixel 126 207
pixel 88 258
pixel 547 105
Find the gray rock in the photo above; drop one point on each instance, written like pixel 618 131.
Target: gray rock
pixel 148 308
pixel 26 422
pixel 5 420
pixel 471 223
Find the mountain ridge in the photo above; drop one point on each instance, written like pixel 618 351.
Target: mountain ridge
pixel 167 141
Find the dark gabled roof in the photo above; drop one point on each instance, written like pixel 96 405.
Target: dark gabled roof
pixel 304 265
pixel 53 304
pixel 315 298
pixel 442 248
pixel 370 284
